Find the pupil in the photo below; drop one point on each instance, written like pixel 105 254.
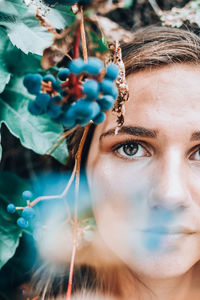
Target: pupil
pixel 130 149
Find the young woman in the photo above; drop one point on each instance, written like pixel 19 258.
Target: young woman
pixel 145 181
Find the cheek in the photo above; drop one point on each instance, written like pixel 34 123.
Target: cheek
pixel 118 178
pixel 119 194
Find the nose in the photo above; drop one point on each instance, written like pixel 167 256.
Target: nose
pixel 169 188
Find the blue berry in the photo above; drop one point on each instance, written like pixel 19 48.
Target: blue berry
pixel 91 89
pixel 76 66
pixel 54 110
pixel 56 99
pixel 112 71
pixel 106 102
pixel 87 109
pixel 42 101
pixel 99 118
pixel 22 223
pixel 109 88
pixel 34 109
pixel 63 74
pixel 55 84
pixel 28 213
pixel 49 77
pixel 94 66
pixel 83 121
pixel 69 117
pixel 11 208
pixel 33 83
pixel 115 92
pixel 27 195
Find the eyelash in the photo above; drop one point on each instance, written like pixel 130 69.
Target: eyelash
pixel 129 143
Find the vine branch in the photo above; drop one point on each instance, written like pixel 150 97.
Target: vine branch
pixel 156 8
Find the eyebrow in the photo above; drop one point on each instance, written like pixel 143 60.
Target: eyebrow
pixel 195 136
pixel 135 131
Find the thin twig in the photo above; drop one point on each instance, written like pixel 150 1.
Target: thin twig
pixel 156 8
pixel 77 170
pixel 60 140
pixel 68 295
pixel 77 42
pixel 75 229
pixel 42 198
pixel 83 36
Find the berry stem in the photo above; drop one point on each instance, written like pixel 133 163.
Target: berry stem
pixel 75 229
pixel 77 42
pixel 42 198
pixel 69 289
pixel 60 140
pixel 83 36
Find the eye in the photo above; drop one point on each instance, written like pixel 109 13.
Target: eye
pixel 196 155
pixel 131 150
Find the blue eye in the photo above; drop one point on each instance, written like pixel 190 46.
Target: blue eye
pixel 131 150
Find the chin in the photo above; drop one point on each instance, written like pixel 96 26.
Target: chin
pixel 170 256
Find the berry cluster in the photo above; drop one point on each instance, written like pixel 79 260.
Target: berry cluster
pixel 28 213
pixel 82 92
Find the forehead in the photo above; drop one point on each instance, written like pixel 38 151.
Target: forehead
pixel 163 97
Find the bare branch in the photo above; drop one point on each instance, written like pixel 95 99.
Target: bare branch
pixel 156 8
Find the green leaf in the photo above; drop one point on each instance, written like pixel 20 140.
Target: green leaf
pixel 23 29
pixel 60 17
pixel 11 188
pixel 29 39
pixel 99 46
pixel 38 133
pixel 4 73
pixel 18 63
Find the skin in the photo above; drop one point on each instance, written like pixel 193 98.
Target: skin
pixel 145 184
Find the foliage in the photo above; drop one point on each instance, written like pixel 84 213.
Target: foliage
pixel 9 231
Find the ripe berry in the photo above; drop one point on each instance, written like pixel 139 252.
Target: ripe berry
pixel 33 83
pixel 83 121
pixel 54 110
pixel 49 77
pixel 94 66
pixel 99 118
pixel 63 74
pixel 27 195
pixel 69 117
pixel 34 109
pixel 21 222
pixel 76 66
pixel 91 89
pixel 28 213
pixel 106 102
pixel 109 88
pixel 112 71
pixel 11 208
pixel 42 101
pixel 87 109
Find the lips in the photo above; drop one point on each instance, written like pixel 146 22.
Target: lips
pixel 169 230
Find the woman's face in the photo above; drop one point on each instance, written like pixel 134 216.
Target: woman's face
pixel 145 181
